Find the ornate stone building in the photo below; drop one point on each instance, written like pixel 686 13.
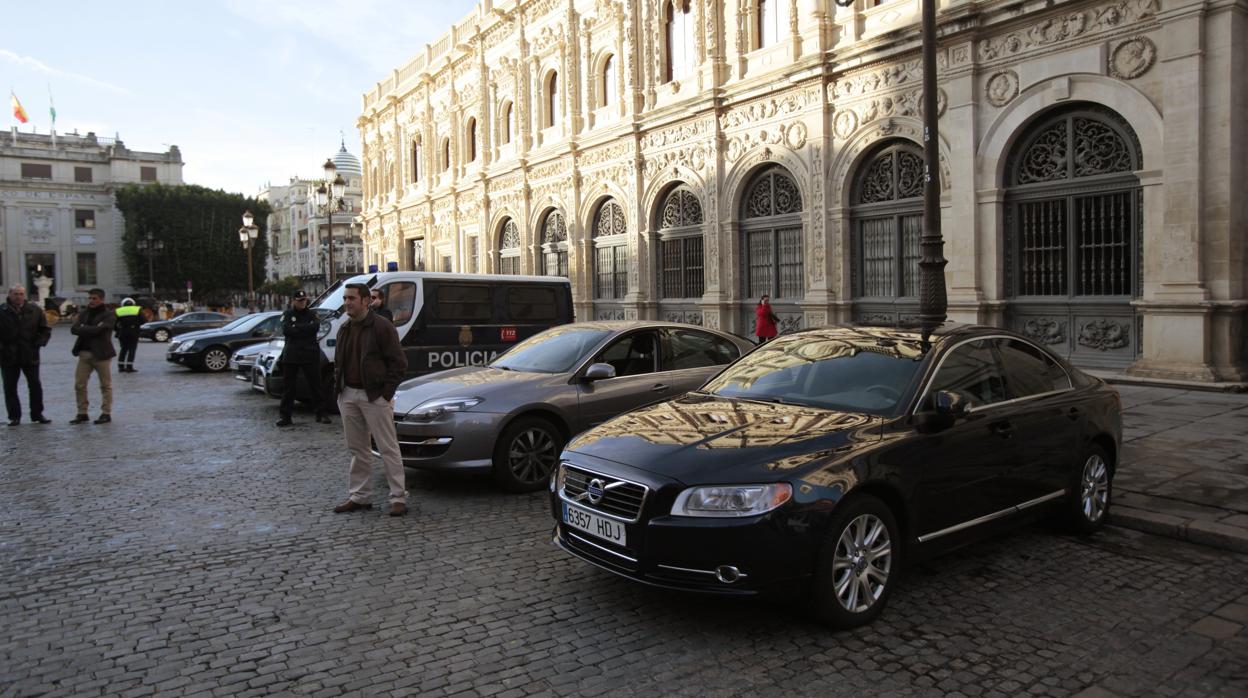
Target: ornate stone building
pixel 57 213
pixel 679 158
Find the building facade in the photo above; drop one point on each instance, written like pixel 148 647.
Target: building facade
pixel 680 158
pixel 298 233
pixel 57 212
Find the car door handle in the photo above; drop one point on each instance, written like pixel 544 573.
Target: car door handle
pixel 1003 428
pixel 658 388
pixel 1073 413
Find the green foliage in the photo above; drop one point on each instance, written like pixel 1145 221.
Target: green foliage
pixel 199 230
pixel 282 287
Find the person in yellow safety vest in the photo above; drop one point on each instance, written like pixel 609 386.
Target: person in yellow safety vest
pixel 129 319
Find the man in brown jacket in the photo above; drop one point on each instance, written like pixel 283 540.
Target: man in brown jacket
pixel 95 352
pixel 368 366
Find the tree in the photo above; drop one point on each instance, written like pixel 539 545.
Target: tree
pixel 283 287
pixel 199 230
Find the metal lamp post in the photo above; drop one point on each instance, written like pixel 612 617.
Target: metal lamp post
pixel 328 201
pixel 247 235
pixel 933 302
pixel 150 247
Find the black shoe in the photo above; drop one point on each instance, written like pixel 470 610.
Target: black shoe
pixel 14 422
pixel 40 420
pixel 80 419
pixel 103 419
pixel 284 422
pixel 323 419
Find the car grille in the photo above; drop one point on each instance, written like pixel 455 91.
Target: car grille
pixel 620 498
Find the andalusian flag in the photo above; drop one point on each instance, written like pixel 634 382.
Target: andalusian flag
pixel 18 112
pixel 52 107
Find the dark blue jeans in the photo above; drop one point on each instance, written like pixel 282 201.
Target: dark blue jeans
pixel 11 401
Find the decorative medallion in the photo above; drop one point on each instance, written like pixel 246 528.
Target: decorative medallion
pixel 1132 58
pixel 1002 87
pixel 1044 330
pixel 1103 335
pixel 845 123
pixel 795 136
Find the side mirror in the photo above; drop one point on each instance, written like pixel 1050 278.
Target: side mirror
pixel 947 407
pixel 597 372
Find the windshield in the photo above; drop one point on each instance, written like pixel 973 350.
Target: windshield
pixel 332 299
pixel 556 350
pixel 850 371
pixel 245 322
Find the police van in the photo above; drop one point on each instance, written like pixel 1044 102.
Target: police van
pixel 449 320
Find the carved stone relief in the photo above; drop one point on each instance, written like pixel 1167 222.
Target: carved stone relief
pixel 1132 58
pixel 1001 88
pixel 770 108
pixel 39 225
pixel 792 136
pixel 1055 30
pixel 1104 335
pixel 845 123
pixel 1044 330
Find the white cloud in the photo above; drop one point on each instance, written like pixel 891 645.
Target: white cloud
pixel 39 66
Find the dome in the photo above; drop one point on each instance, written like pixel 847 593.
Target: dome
pixel 348 165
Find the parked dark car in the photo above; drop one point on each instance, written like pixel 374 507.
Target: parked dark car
pixel 512 416
pixel 164 330
pixel 243 360
pixel 210 350
pixel 825 459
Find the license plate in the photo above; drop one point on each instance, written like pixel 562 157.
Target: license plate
pixel 593 524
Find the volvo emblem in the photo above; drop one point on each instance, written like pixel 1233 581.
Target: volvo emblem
pixel 594 491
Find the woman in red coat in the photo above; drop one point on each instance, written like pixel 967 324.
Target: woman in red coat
pixel 764 320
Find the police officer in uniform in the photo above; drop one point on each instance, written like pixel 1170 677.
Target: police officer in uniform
pixel 129 319
pixel 302 354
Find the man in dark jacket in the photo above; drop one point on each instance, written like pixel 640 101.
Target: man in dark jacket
pixel 94 349
pixel 368 366
pixel 377 304
pixel 23 331
pixel 301 354
pixel 129 320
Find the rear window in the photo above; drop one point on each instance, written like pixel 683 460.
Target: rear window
pixel 461 303
pixel 528 304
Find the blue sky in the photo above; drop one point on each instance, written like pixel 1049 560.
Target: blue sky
pixel 251 91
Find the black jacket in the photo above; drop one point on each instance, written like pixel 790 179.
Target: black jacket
pixel 382 362
pixel 22 333
pixel 94 329
pixel 300 328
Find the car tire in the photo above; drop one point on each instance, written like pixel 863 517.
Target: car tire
pixel 526 454
pixel 161 335
pixel 859 562
pixel 1086 504
pixel 215 359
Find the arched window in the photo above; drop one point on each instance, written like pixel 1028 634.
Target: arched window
pixel 773 22
pixel 608 82
pixel 678 33
pixel 470 138
pixel 552 100
pixel 554 245
pixel 680 245
pixel 416 155
pixel 887 222
pixel 446 154
pixel 509 248
pixel 772 237
pixel 610 252
pixel 504 124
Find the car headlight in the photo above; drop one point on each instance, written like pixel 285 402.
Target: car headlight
pixel 324 329
pixel 432 409
pixel 732 500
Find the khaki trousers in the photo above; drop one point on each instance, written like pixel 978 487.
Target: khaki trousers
pixel 362 418
pixel 87 363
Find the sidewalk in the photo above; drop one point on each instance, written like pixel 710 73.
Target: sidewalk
pixel 1184 466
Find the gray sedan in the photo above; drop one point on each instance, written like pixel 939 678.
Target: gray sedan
pixel 512 417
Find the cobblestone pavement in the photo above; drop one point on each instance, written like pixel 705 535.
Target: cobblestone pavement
pixel 188 548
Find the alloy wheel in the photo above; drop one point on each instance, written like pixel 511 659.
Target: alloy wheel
pixel 1094 490
pixel 862 563
pixel 216 360
pixel 161 336
pixel 532 455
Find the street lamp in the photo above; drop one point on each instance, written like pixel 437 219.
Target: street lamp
pixel 247 235
pixel 329 201
pixel 150 247
pixel 933 302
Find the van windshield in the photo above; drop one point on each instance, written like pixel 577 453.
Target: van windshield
pixel 556 350
pixel 332 299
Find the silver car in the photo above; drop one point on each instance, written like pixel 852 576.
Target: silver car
pixel 513 416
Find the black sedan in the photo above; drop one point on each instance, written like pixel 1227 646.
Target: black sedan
pixel 825 459
pixel 210 350
pixel 164 330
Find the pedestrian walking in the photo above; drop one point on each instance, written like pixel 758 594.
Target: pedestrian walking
pixel 368 366
pixel 94 349
pixel 300 355
pixel 764 320
pixel 129 320
pixel 377 304
pixel 23 332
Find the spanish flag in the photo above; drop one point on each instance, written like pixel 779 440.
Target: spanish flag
pixel 18 112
